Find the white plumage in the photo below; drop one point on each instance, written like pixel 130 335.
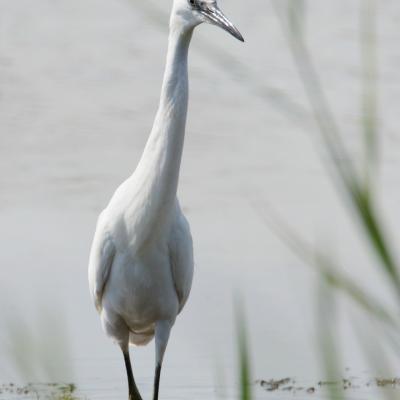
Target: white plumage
pixel 141 261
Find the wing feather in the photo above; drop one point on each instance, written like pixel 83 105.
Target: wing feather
pixel 181 256
pixel 101 259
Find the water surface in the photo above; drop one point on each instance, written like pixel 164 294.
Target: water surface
pixel 79 86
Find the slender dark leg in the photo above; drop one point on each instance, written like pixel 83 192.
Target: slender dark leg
pixel 162 331
pixel 157 382
pixel 133 390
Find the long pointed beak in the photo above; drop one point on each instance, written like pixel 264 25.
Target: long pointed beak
pixel 216 17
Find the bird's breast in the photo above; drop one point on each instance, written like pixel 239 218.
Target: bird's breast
pixel 141 286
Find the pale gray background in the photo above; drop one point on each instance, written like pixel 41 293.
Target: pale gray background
pixel 79 86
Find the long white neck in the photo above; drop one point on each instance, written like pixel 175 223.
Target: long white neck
pixel 160 163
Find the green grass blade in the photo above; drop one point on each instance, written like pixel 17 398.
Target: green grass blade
pixel 341 167
pixel 243 354
pixel 325 266
pixel 327 337
pixel 369 96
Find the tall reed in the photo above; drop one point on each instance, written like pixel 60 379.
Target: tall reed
pixel 357 184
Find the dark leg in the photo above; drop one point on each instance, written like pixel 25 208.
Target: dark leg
pixel 162 331
pixel 157 382
pixel 133 390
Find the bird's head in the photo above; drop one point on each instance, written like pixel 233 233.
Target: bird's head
pixel 194 12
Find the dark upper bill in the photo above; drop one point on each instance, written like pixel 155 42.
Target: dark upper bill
pixel 216 17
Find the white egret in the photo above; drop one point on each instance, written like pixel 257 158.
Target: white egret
pixel 141 260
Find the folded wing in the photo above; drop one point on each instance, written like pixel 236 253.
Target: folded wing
pixel 101 259
pixel 181 259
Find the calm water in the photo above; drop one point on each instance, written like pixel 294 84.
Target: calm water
pixel 79 86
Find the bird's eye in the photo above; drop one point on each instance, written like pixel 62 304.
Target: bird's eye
pixel 192 3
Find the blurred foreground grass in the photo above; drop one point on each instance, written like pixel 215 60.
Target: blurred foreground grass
pixel 38 352
pixel 356 183
pixel 50 391
pixel 38 347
